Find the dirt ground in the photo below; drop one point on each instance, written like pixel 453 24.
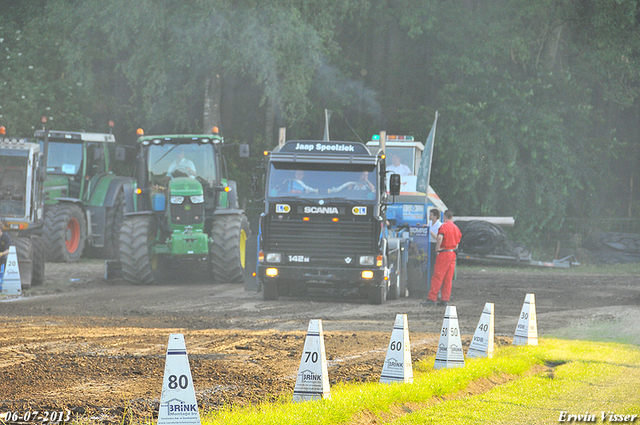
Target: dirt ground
pixel 98 348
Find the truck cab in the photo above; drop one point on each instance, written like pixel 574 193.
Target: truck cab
pixel 324 222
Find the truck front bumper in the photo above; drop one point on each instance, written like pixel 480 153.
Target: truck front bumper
pixel 333 276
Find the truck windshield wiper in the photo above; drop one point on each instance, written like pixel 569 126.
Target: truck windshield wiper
pixel 292 199
pixel 345 200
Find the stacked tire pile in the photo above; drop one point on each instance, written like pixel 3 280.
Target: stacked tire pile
pixel 613 247
pixel 483 238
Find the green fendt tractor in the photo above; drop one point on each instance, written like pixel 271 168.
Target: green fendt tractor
pixel 84 200
pixel 187 216
pixel 21 204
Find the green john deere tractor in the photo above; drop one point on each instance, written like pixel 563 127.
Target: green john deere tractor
pixel 84 200
pixel 186 213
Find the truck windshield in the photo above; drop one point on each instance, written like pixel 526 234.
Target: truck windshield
pixel 64 157
pixel 171 160
pixel 312 181
pixel 13 175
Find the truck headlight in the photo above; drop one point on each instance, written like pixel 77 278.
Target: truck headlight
pixel 271 272
pixel 274 257
pixel 197 199
pixel 366 260
pixel 367 274
pixel 177 199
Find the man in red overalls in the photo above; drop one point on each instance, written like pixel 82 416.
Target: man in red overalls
pixel 448 239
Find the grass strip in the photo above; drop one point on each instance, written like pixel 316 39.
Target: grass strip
pixel 583 376
pixel 590 379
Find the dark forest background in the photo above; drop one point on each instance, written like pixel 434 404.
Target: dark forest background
pixel 538 100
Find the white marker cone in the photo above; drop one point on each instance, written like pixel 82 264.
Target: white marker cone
pixel 11 280
pixel 397 365
pixel 449 352
pixel 178 403
pixel 527 329
pixel 312 382
pixel 482 342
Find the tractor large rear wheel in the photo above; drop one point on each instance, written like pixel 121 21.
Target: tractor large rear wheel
pixel 227 253
pixel 30 251
pixel 65 232
pixel 37 261
pixel 24 251
pixel 113 222
pixel 139 265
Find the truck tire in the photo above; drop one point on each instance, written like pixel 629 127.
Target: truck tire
pixel 378 294
pixel 227 252
pixel 24 251
pixel 113 222
pixel 404 281
pixel 65 232
pixel 37 261
pixel 270 291
pixel 138 266
pixel 395 287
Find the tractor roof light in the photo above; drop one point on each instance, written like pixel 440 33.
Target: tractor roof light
pixel 140 132
pixel 3 130
pixel 215 130
pixel 156 141
pixel 145 143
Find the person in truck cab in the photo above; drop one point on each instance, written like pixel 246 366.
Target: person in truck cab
pixel 296 185
pixel 363 183
pixel 398 167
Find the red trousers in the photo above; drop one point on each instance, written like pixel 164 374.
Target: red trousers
pixel 443 275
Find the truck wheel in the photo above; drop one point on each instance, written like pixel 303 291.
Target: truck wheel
pixel 270 291
pixel 378 294
pixel 138 264
pixel 24 250
pixel 394 288
pixel 404 282
pixel 37 261
pixel 113 222
pixel 227 252
pixel 65 232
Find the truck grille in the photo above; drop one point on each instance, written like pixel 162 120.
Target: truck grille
pixel 321 238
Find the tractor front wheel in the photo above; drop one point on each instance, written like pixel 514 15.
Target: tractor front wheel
pixel 227 252
pixel 139 265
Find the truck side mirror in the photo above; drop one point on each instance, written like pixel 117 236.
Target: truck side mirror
pixel 394 185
